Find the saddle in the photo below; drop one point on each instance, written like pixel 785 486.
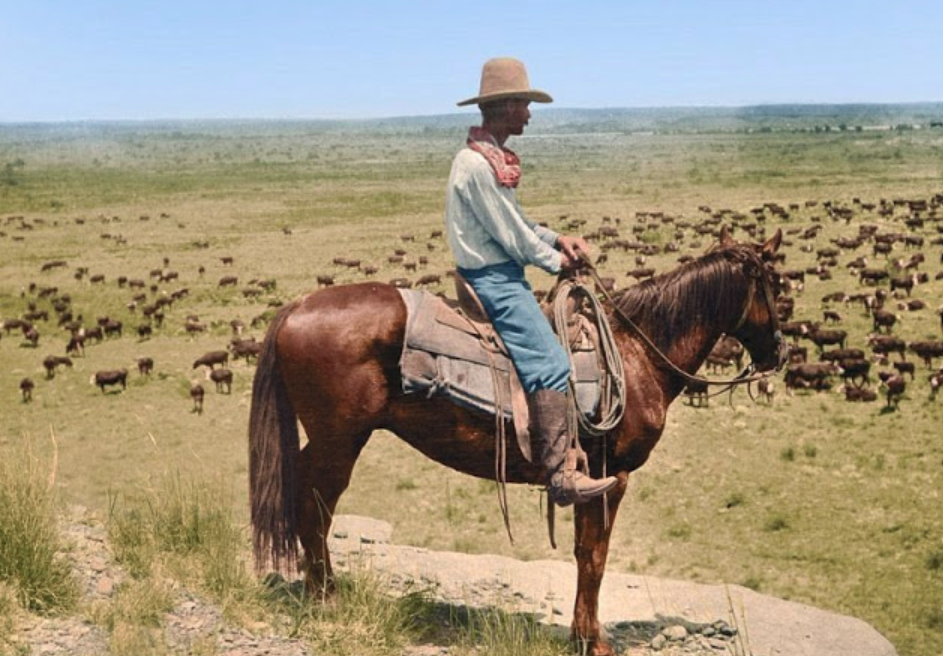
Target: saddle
pixel 452 350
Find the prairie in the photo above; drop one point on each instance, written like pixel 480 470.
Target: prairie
pixel 808 498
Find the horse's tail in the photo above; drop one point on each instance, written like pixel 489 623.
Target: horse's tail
pixel 273 459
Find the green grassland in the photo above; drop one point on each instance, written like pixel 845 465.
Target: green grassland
pixel 809 498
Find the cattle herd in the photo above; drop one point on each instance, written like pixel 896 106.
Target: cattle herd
pixel 48 310
pixel 856 314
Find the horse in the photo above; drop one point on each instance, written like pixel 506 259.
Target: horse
pixel 330 359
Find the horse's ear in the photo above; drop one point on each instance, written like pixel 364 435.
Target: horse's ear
pixel 769 248
pixel 726 241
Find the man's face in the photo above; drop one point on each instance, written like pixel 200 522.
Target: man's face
pixel 518 115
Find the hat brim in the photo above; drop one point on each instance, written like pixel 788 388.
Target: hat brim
pixel 533 95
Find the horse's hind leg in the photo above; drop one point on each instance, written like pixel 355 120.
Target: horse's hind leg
pixel 324 473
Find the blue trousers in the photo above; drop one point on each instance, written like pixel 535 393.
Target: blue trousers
pixel 540 361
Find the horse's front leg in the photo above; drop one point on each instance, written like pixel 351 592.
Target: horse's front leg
pixel 591 550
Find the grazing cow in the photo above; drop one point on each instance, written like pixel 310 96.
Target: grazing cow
pixel 228 281
pixel 795 329
pixel 641 273
pixel 816 375
pixel 32 336
pixel 822 338
pixel 325 281
pixel 96 334
pixel 145 330
pixel 112 328
pixel 766 389
pixel 51 362
pixel 245 348
pixel 211 359
pixel 226 260
pixel 936 380
pixel 76 345
pixel 429 279
pixel 894 387
pixel 223 379
pixel 927 350
pixel 696 391
pixel 856 371
pixel 831 316
pixel 887 344
pixel 872 276
pixel 197 393
pixel 729 349
pixel 860 395
pixel 145 365
pixel 193 327
pixel 26 389
pixel 36 315
pixel 905 368
pixel 110 377
pixel 884 319
pixel 797 354
pixel 903 282
pixel 716 363
pixel 837 355
pixel 15 324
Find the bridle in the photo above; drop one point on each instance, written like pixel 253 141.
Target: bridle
pixel 748 375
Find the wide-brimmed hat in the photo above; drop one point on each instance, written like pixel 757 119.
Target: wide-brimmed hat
pixel 505 77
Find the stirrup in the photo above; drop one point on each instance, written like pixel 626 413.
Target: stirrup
pixel 568 485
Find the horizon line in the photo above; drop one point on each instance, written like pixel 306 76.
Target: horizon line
pixel 363 119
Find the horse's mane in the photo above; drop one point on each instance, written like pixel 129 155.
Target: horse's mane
pixel 669 304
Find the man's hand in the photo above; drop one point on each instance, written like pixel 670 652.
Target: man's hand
pixel 573 250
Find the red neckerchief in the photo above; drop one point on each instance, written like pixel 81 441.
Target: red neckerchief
pixel 505 163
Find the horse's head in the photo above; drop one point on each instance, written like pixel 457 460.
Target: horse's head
pixel 758 328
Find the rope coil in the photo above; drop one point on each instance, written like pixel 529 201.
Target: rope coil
pixel 612 390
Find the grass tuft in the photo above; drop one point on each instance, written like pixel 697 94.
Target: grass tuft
pixel 40 579
pixel 189 526
pixel 496 632
pixel 361 619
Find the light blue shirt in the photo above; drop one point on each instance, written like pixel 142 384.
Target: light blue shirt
pixel 485 223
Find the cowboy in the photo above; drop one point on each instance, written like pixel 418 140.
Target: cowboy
pixel 492 241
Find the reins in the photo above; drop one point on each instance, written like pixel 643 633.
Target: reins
pixel 744 377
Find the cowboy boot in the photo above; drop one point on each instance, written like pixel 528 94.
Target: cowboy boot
pixel 566 484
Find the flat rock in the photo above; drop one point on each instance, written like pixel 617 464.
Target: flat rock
pixel 547 588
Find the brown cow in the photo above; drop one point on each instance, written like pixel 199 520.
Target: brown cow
pixel 211 359
pixel 110 377
pixel 927 350
pixel 894 387
pixel 223 379
pixel 696 391
pixel 197 393
pixel 766 389
pixel 26 389
pixel 51 362
pixel 145 365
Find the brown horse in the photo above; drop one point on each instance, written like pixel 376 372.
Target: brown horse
pixel 331 359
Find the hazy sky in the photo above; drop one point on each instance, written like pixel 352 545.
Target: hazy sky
pixel 146 59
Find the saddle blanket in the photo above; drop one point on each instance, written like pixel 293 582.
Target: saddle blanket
pixel 443 356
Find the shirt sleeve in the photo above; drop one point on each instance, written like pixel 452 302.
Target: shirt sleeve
pixel 499 212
